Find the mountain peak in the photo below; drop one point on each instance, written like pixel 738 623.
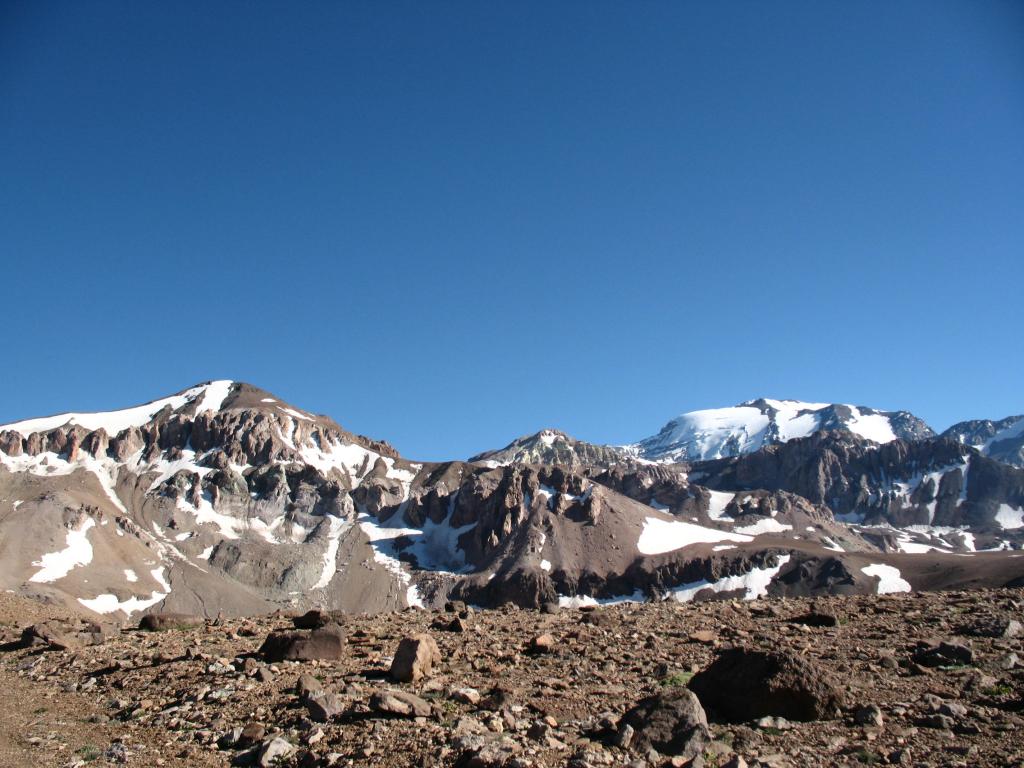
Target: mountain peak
pixel 720 432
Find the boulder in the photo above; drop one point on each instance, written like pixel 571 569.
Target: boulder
pixel 161 622
pixel 324 643
pixel 50 635
pixel 317 618
pixel 743 684
pixel 945 654
pixel 415 658
pixel 323 706
pixel 400 703
pixel 672 722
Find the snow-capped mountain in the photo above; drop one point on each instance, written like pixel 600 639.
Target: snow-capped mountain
pixel 719 432
pixel 225 497
pixel 1002 440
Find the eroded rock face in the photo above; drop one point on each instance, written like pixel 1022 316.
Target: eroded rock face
pixel 672 722
pixel 742 685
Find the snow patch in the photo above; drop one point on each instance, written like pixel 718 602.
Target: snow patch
pixel 337 526
pixel 1009 518
pixel 78 552
pixel 660 536
pixel 889 579
pixel 768 525
pixel 754 583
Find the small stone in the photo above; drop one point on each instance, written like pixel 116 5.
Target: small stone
pixel 250 735
pixel 399 703
pixel 869 715
pixel 324 706
pixel 273 751
pixel 542 644
pixel 466 695
pixel 308 685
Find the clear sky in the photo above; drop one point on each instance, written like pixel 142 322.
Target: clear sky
pixel 449 224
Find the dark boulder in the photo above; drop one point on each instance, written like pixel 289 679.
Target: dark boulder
pixel 672 722
pixel 743 684
pixel 324 643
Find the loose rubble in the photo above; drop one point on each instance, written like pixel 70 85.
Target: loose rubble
pixel 903 679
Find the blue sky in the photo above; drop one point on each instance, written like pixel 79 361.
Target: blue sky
pixel 448 224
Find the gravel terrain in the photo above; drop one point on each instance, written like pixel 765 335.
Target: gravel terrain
pixel 906 679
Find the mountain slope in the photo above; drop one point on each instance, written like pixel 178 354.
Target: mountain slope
pixel 750 426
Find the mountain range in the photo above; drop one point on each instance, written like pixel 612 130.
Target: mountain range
pixel 225 498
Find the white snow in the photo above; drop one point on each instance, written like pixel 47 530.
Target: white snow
pixel 718 432
pixel 889 579
pixel 17 503
pixel 435 545
pixel 108 603
pixel 129 574
pixel 828 543
pixel 717 504
pixel 57 565
pixel 214 396
pixel 206 553
pixel 873 426
pixel 1009 518
pixel 767 525
pixel 754 583
pixel 723 547
pixel 577 601
pixel 116 421
pixel 659 536
pixel 545 565
pixel 337 526
pixel 296 414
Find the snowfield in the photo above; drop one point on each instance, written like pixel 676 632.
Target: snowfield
pixel 660 536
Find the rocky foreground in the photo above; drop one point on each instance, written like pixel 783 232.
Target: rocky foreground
pixel 905 679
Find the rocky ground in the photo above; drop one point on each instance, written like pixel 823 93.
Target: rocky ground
pixel 907 679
